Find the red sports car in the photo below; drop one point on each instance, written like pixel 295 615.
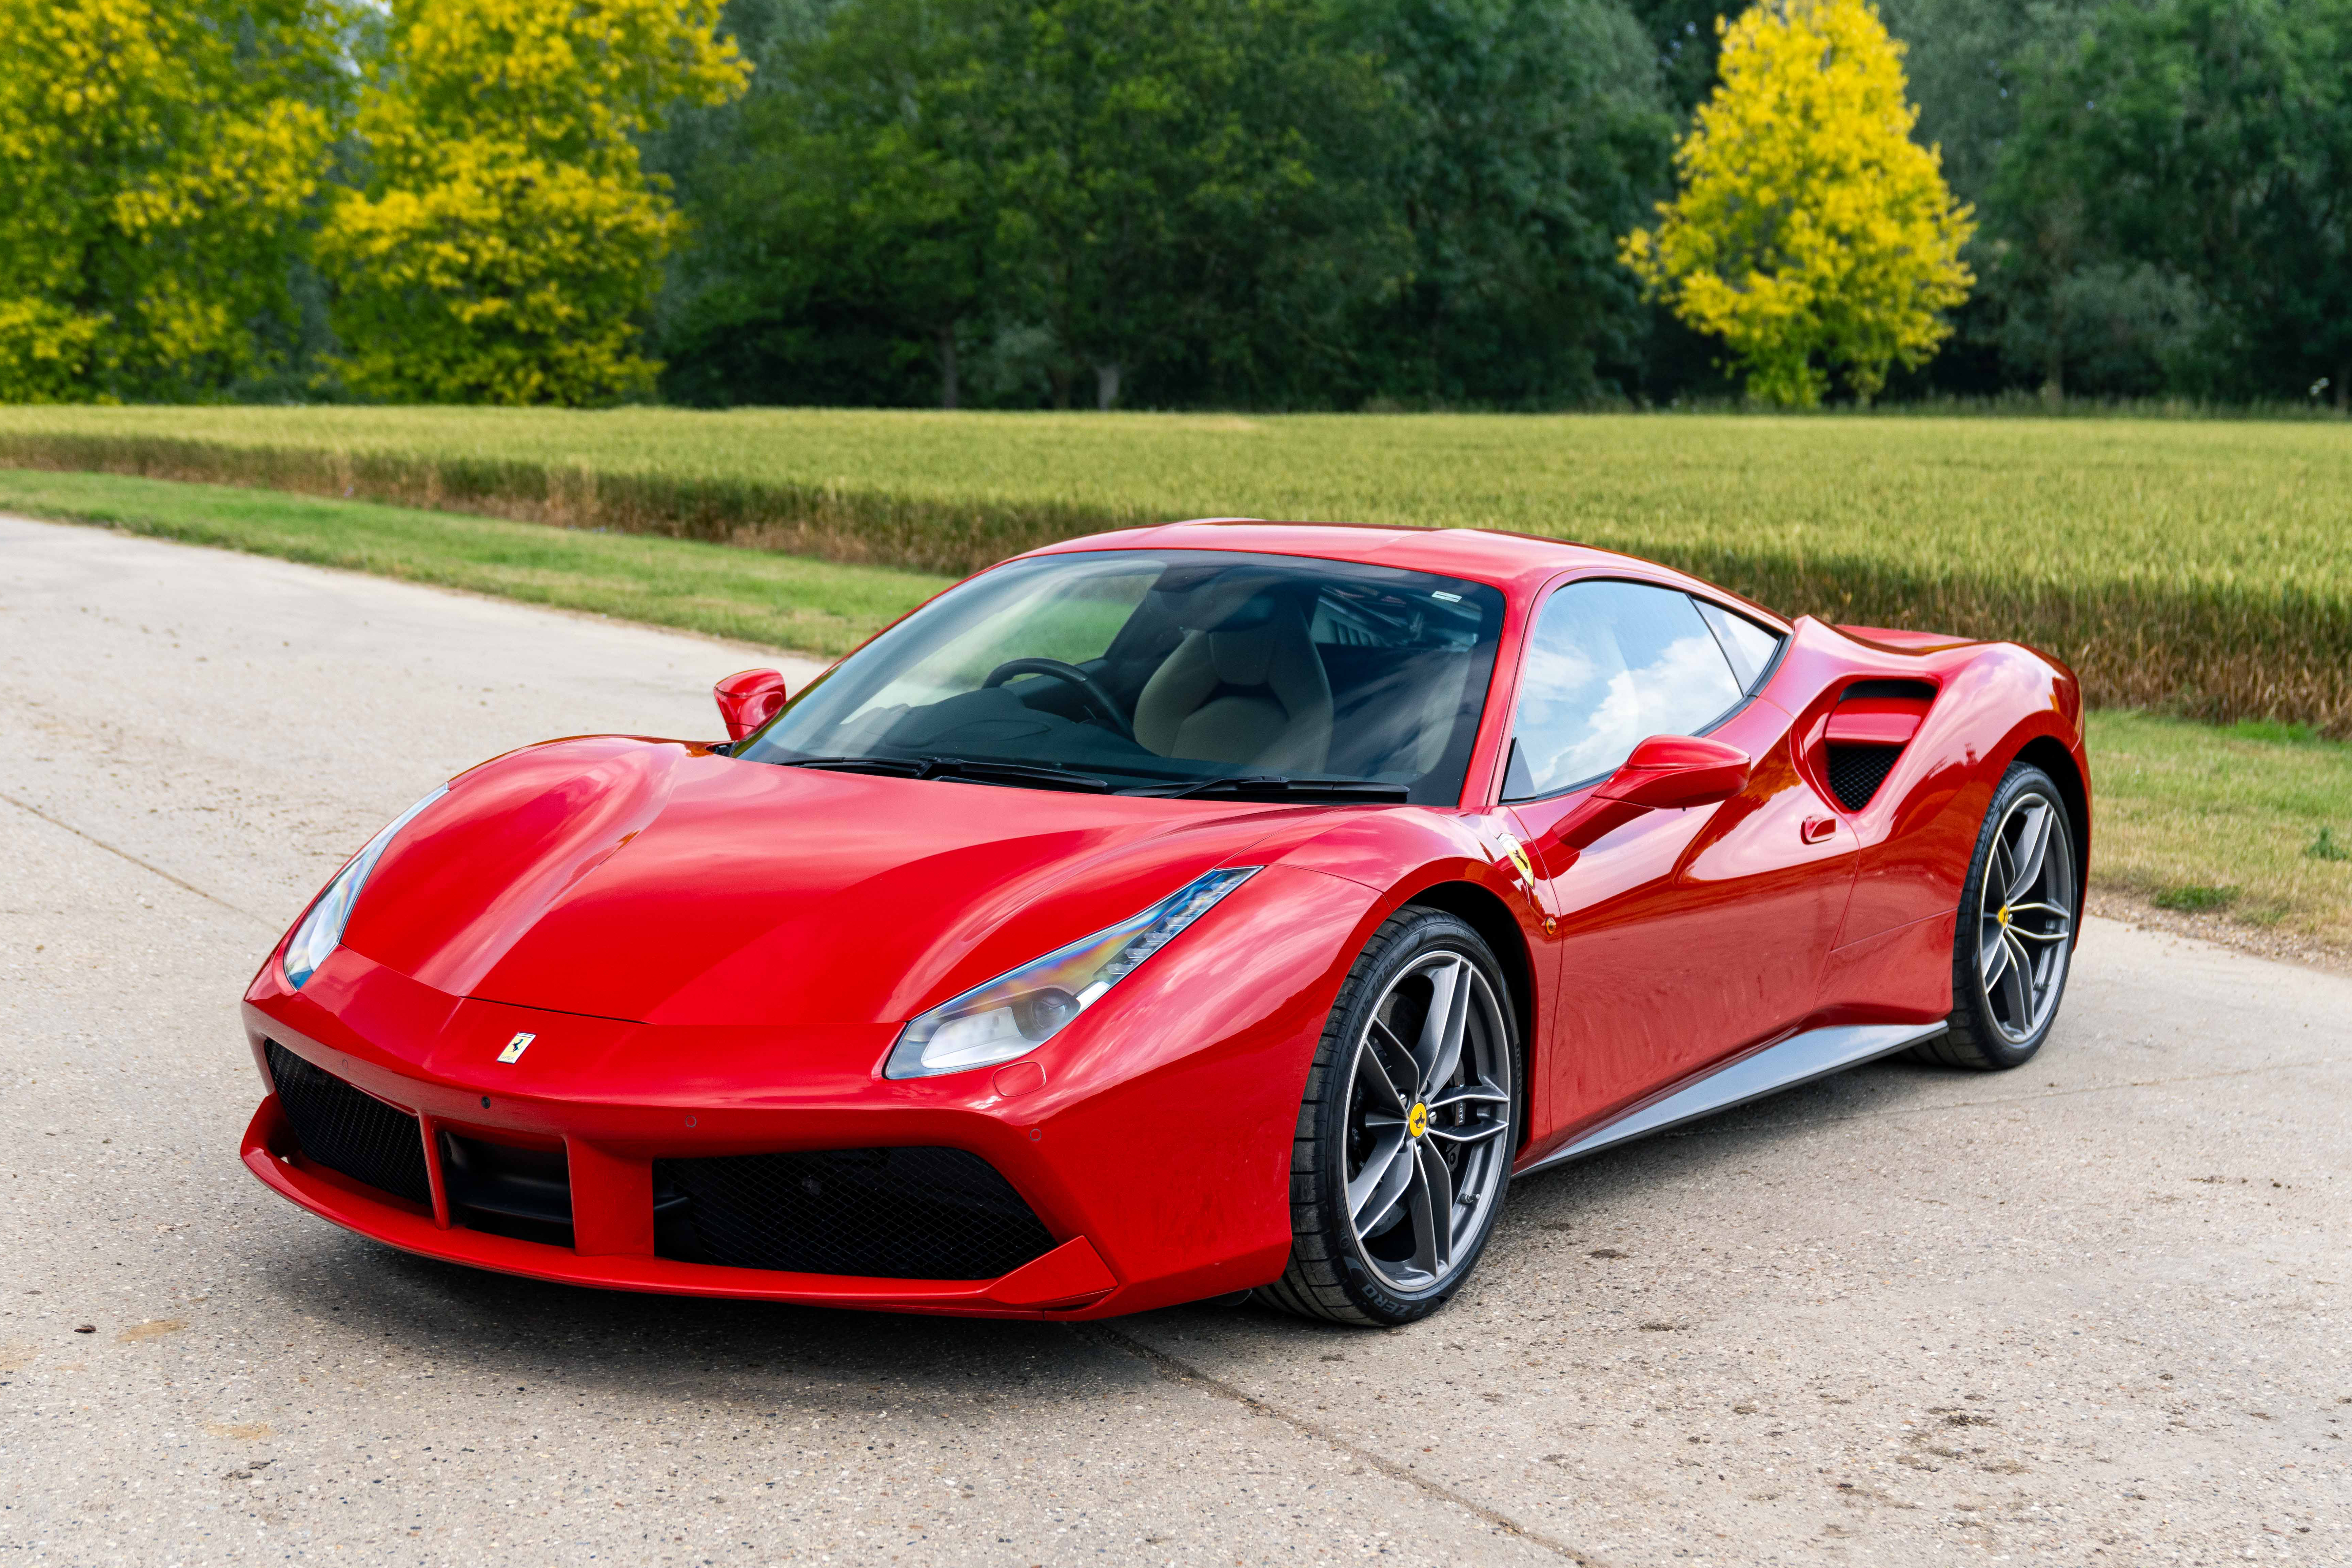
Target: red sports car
pixel 1177 912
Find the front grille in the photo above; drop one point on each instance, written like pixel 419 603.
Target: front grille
pixel 522 1193
pixel 344 1130
pixel 897 1214
pixel 1856 772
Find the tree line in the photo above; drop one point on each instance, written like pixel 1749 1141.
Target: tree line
pixel 1304 204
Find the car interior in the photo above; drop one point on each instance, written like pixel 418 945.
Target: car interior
pixel 1170 670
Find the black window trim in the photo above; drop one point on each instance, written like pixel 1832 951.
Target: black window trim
pixel 1511 744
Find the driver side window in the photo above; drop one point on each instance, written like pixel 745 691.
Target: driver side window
pixel 1608 665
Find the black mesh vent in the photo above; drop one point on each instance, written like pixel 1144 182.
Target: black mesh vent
pixel 897 1214
pixel 1856 772
pixel 346 1131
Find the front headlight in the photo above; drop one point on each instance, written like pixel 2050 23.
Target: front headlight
pixel 1015 1014
pixel 323 927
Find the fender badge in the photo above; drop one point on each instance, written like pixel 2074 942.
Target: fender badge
pixel 516 1047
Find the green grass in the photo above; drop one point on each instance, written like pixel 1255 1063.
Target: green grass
pixel 814 606
pixel 2204 567
pixel 2198 818
pixel 2253 819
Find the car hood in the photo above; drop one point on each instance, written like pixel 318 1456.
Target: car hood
pixel 661 882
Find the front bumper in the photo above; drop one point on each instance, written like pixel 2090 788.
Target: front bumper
pixel 1071 1275
pixel 1151 1142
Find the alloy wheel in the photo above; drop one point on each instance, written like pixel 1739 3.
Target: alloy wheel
pixel 1428 1121
pixel 2026 926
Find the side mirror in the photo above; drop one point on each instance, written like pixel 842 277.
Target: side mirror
pixel 1670 771
pixel 749 699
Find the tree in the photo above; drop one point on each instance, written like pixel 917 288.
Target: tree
pixel 843 225
pixel 1074 198
pixel 156 164
pixel 1183 187
pixel 2204 143
pixel 1810 232
pixel 1529 134
pixel 506 242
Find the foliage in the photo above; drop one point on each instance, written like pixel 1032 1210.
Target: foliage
pixel 1529 134
pixel 1101 190
pixel 1811 232
pixel 843 221
pixel 1175 183
pixel 156 163
pixel 2210 143
pixel 505 243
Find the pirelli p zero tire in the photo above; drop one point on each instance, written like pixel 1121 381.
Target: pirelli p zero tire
pixel 1407 1130
pixel 2017 927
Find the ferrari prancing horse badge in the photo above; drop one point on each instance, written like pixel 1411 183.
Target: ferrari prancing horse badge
pixel 516 1047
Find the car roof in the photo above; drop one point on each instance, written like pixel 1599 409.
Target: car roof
pixel 1516 563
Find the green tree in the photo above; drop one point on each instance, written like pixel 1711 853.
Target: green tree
pixel 156 164
pixel 844 226
pixel 506 242
pixel 1183 187
pixel 1529 134
pixel 923 199
pixel 1812 233
pixel 2204 143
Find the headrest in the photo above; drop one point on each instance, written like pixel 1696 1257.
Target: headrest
pixel 1229 601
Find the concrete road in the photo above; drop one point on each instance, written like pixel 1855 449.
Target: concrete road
pixel 2094 1310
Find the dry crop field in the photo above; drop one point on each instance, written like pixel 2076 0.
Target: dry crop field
pixel 2199 566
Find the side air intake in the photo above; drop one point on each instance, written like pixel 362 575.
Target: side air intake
pixel 1868 729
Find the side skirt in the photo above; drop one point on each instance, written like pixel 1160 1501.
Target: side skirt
pixel 1801 1058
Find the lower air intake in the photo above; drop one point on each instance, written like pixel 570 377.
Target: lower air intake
pixel 895 1213
pixel 344 1130
pixel 1856 772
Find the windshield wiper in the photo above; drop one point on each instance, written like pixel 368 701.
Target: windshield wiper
pixel 894 766
pixel 981 770
pixel 976 769
pixel 1274 786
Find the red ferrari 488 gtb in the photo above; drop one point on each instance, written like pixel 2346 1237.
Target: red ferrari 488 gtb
pixel 1217 907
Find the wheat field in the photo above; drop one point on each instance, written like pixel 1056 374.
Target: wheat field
pixel 2202 567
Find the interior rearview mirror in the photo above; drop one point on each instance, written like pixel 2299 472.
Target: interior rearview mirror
pixel 1670 771
pixel 749 699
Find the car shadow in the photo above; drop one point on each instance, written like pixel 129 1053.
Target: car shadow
pixel 507 1330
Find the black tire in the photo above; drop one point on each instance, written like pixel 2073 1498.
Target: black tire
pixel 1985 1032
pixel 1331 1274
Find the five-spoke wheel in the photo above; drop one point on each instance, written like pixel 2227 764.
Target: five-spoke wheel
pixel 1406 1138
pixel 2017 927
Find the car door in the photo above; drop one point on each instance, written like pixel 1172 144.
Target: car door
pixel 1681 936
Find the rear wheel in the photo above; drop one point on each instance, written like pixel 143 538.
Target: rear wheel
pixel 1406 1134
pixel 2016 932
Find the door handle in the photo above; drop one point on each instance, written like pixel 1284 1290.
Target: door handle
pixel 1818 828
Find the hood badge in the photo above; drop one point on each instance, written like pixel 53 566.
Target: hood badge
pixel 516 1047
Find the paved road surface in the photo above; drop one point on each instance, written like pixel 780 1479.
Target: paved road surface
pixel 2090 1312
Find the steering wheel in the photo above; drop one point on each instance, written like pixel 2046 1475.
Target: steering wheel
pixel 1098 702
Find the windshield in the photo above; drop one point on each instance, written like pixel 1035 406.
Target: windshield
pixel 1160 672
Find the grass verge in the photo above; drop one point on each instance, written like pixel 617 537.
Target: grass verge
pixel 813 606
pixel 2199 567
pixel 2251 823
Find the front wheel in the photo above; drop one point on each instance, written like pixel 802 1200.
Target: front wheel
pixel 2016 934
pixel 1407 1131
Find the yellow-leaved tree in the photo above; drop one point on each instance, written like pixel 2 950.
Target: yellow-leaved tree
pixel 1811 232
pixel 157 161
pixel 505 243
